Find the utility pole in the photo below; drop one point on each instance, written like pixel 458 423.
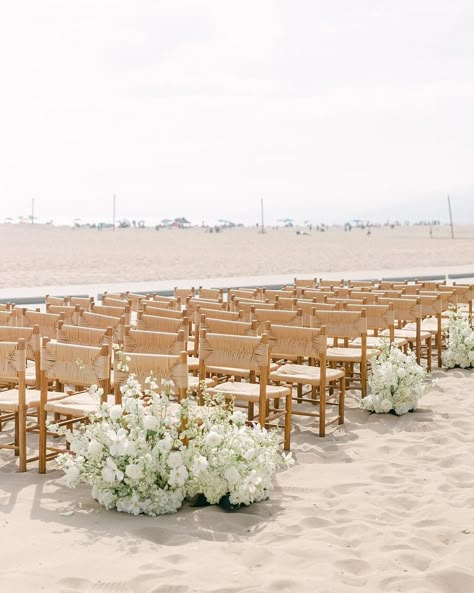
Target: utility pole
pixel 113 213
pixel 261 208
pixel 450 218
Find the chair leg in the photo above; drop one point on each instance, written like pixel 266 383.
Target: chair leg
pixel 342 397
pixel 17 432
pixel 439 345
pixel 322 413
pixel 250 412
pixel 42 441
pixel 21 424
pixel 363 379
pixel 287 439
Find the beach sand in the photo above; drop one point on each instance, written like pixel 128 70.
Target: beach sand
pixel 43 256
pixel 381 504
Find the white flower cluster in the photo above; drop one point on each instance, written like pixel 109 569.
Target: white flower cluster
pixel 147 455
pixel 232 459
pixel 459 342
pixel 397 382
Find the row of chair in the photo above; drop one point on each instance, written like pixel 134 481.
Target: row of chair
pixel 318 348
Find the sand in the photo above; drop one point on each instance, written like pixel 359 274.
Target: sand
pixel 381 504
pixel 44 256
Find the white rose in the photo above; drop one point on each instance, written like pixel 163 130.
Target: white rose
pixel 175 459
pixel 231 475
pixel 238 417
pixel 150 422
pixel 200 464
pixel 72 475
pixel 108 474
pixel 95 448
pixel 115 412
pixel 165 444
pixel 249 454
pixel 133 471
pixel 213 439
pixel 178 476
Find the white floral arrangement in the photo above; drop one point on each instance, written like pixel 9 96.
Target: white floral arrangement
pixel 233 463
pixel 147 455
pixel 396 381
pixel 459 337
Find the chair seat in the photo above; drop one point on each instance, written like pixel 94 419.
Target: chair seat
pixel 249 391
pixel 76 405
pixel 193 382
pixel 237 372
pixel 409 334
pixel 375 342
pixel 349 354
pixel 301 373
pixel 193 363
pixel 9 399
pixel 428 325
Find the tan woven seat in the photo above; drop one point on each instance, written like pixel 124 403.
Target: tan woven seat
pixel 248 391
pixel 251 353
pixel 76 405
pixel 9 399
pixel 375 342
pixel 238 372
pixel 342 354
pixel 311 375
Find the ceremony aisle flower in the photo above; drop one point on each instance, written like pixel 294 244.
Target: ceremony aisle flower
pixel 148 454
pixel 397 382
pixel 233 463
pixel 459 342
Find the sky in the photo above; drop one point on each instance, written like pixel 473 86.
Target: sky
pixel 320 110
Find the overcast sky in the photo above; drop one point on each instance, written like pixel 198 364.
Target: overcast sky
pixel 328 110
